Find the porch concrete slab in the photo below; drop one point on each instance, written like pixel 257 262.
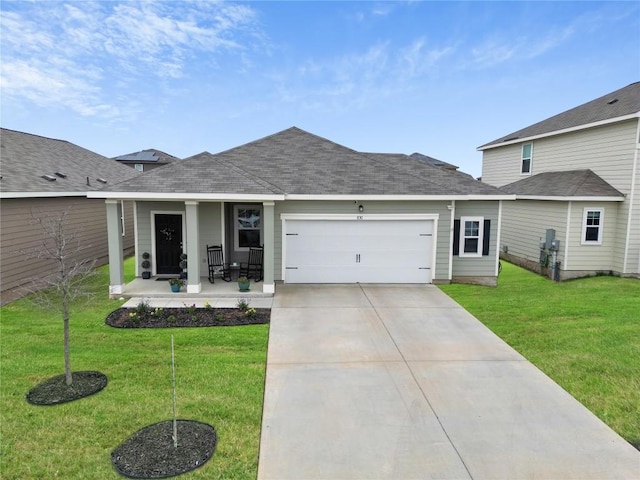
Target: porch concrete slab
pixel 443 334
pixel 311 335
pixel 351 421
pixel 311 296
pixel 508 420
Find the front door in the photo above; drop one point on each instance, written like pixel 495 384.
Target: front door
pixel 168 234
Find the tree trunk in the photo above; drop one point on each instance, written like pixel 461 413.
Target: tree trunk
pixel 67 356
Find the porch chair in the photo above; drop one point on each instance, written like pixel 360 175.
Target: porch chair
pixel 253 268
pixel 215 257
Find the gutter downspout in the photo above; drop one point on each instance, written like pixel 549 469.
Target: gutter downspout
pixel 498 238
pixel 452 208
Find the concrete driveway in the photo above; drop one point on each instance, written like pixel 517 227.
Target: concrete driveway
pixel 400 382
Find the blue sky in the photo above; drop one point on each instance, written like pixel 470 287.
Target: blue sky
pixel 439 78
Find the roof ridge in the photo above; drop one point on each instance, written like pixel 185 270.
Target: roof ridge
pixel 581 181
pixel 271 186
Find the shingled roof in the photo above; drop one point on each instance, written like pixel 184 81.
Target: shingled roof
pixel 33 165
pixel 295 162
pixel 614 105
pixel 149 155
pixel 572 183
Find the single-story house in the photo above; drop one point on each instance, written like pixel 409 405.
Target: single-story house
pixel 45 176
pixel 324 213
pixel 576 178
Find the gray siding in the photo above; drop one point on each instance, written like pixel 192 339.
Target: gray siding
pixel 20 236
pixel 484 266
pixel 144 237
pixel 604 257
pixel 442 248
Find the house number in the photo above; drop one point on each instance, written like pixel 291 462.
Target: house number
pixel 360 217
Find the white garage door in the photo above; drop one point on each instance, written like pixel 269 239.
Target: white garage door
pixel 358 251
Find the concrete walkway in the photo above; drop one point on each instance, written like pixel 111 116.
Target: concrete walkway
pixel 400 382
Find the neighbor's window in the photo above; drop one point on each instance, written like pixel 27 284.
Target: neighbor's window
pixel 248 226
pixel 139 167
pixel 471 234
pixel 592 226
pixel 527 153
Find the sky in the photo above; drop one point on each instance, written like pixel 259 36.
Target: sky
pixel 439 78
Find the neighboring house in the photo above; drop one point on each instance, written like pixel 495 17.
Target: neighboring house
pixel 324 213
pixel 576 173
pixel 44 176
pixel 434 161
pixel 146 160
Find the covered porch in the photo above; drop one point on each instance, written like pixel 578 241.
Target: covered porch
pixel 234 223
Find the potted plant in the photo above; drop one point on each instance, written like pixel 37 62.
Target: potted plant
pixel 146 264
pixel 175 284
pixel 243 284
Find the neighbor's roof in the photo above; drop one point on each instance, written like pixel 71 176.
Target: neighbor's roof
pixel 150 155
pixel 32 166
pixel 613 106
pixel 433 161
pixel 297 163
pixel 573 183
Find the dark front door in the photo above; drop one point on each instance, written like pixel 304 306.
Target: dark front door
pixel 168 243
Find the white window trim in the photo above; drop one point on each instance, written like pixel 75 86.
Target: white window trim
pixel 480 221
pixel 585 212
pixel 523 158
pixel 139 167
pixel 236 239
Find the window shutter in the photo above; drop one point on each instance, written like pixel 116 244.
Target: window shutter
pixel 456 237
pixel 487 237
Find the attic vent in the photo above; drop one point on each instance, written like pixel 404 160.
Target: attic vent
pixel 61 175
pixel 611 102
pixel 101 180
pixel 49 178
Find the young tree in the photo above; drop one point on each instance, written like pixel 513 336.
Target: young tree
pixel 58 291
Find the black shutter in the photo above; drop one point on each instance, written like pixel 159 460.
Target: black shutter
pixel 487 237
pixel 456 237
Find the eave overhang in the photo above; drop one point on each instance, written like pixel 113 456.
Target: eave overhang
pixel 560 132
pixel 569 199
pixel 41 194
pixel 163 197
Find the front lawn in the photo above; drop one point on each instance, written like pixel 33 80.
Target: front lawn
pixel 584 334
pixel 220 375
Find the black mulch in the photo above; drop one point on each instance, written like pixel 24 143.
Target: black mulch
pixel 150 452
pixel 55 390
pixel 185 317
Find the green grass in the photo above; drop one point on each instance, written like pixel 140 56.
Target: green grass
pixel 584 334
pixel 219 378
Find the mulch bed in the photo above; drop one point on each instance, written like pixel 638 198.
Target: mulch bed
pixel 150 452
pixel 55 390
pixel 185 317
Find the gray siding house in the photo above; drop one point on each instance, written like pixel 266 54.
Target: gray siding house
pixel 323 212
pixel 44 176
pixel 577 174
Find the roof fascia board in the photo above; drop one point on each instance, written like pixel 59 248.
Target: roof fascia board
pixel 570 199
pixel 560 132
pixel 41 194
pixel 506 196
pixel 159 196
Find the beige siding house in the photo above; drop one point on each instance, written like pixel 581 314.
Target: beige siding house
pixel 575 173
pixel 322 212
pixel 44 177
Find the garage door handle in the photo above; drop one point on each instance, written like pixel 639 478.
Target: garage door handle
pixel 357 258
pixel 426 235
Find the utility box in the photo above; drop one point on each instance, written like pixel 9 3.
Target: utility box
pixel 551 236
pixel 555 245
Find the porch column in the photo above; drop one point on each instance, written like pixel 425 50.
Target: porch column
pixel 114 239
pixel 193 244
pixel 268 213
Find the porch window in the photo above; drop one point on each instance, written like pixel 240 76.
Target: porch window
pixel 248 226
pixel 471 235
pixel 592 226
pixel 527 155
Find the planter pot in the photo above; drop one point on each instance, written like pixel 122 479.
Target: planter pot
pixel 175 288
pixel 146 275
pixel 244 286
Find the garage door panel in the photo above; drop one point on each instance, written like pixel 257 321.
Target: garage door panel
pixel 351 251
